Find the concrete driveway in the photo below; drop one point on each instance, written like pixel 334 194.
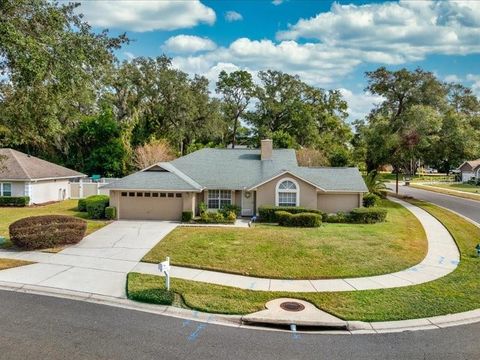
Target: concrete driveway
pixel 98 264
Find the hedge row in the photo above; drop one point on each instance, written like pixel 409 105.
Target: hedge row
pixel 267 212
pixel 16 201
pixel 368 215
pixel 298 220
pixel 96 206
pixel 39 232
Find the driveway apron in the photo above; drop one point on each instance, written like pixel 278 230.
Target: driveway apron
pixel 98 264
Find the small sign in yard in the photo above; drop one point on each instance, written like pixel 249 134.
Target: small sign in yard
pixel 164 267
pixel 2 240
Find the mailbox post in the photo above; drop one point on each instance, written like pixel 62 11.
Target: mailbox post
pixel 164 267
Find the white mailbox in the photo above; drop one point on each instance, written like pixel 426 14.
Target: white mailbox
pixel 164 267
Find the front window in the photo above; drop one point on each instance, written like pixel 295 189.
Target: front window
pixel 5 189
pixel 287 193
pixel 219 198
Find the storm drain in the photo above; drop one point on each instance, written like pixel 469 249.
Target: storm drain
pixel 292 306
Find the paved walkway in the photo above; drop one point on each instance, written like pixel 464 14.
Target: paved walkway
pixel 442 258
pixel 98 264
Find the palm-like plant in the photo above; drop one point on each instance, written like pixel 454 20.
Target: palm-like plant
pixel 375 184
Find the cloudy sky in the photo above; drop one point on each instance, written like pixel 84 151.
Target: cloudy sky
pixel 328 44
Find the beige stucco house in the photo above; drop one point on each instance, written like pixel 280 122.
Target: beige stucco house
pixel 25 175
pixel 470 169
pixel 247 178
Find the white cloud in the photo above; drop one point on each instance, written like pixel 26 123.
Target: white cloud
pixel 188 44
pixel 452 78
pixel 277 2
pixel 474 80
pixel 395 32
pixel 144 15
pixel 130 56
pixel 231 16
pixel 359 104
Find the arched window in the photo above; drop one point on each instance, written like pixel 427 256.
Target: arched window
pixel 287 193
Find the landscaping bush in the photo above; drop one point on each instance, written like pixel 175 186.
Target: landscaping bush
pixel 82 205
pixel 187 216
pixel 39 232
pixel 15 201
pixel 202 207
pixel 215 218
pixel 368 215
pixel 96 205
pixel 338 218
pixel 370 200
pixel 283 217
pixel 230 208
pixel 231 216
pixel 298 220
pixel 267 212
pixel 111 212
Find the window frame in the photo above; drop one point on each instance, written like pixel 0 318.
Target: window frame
pixel 2 190
pixel 279 191
pixel 220 198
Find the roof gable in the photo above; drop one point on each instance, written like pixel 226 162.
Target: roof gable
pixel 20 166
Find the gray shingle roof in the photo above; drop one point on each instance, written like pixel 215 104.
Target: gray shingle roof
pixel 15 165
pixel 235 170
pixel 151 180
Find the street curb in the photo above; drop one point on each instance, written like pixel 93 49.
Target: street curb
pixel 353 327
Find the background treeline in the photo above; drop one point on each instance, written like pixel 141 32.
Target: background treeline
pixel 65 96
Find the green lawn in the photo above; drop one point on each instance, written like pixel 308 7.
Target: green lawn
pixel 331 251
pixel 68 207
pixel 460 190
pixel 460 187
pixel 459 291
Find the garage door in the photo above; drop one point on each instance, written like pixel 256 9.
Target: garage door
pixel 150 206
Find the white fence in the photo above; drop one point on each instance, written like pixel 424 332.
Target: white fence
pixel 88 187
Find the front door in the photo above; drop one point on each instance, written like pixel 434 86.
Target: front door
pixel 248 203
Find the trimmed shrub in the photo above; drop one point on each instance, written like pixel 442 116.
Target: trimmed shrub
pixel 267 212
pixel 187 216
pixel 82 205
pixel 111 212
pixel 339 217
pixel 370 200
pixel 298 220
pixel 39 232
pixel 96 205
pixel 214 218
pixel 15 201
pixel 283 217
pixel 368 215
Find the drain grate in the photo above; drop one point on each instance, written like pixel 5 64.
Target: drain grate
pixel 292 306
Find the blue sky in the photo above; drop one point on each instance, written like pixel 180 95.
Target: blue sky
pixel 328 44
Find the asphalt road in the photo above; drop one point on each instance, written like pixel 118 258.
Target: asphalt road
pixel 41 327
pixel 466 207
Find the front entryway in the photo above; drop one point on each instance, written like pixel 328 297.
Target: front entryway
pixel 248 203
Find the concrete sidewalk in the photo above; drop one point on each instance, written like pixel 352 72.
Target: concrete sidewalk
pixel 442 258
pixel 98 264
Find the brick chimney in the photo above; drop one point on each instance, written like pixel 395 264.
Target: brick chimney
pixel 266 149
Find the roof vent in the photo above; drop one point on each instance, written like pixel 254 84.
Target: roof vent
pixel 266 149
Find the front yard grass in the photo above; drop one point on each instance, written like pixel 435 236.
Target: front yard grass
pixel 465 191
pixel 67 207
pixel 457 292
pixel 331 251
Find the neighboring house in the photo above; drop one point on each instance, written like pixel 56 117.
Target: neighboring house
pixel 470 169
pixel 247 178
pixel 25 175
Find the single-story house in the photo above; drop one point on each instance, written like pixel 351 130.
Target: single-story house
pixel 26 175
pixel 247 178
pixel 470 169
